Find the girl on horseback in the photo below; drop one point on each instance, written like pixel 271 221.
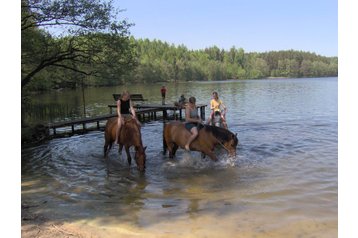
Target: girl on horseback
pixel 125 110
pixel 192 120
pixel 215 105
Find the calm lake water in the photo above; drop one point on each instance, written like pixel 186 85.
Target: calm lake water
pixel 282 183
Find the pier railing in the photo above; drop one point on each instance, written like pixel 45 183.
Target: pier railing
pixel 144 112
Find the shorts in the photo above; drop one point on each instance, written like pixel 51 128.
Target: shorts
pixel 190 125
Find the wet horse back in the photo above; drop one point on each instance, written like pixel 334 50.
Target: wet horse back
pixel 177 133
pixel 130 134
pixel 110 129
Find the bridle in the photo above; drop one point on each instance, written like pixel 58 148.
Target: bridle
pixel 220 143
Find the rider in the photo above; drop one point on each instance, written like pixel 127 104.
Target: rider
pixel 125 110
pixel 182 100
pixel 215 105
pixel 192 120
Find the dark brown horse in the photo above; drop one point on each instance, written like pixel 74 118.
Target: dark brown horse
pixel 176 135
pixel 130 135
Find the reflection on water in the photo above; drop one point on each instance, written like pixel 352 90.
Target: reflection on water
pixel 282 183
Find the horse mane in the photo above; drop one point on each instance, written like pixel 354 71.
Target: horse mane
pixel 220 133
pixel 131 125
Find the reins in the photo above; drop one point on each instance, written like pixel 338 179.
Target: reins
pixel 220 143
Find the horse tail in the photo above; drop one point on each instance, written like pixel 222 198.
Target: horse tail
pixel 165 146
pixel 108 141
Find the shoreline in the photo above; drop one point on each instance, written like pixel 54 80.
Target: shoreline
pixel 36 92
pixel 37 225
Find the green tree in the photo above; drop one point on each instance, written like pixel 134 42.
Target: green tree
pixel 261 68
pixel 77 26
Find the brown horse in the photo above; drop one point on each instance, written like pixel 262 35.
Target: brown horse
pixel 175 134
pixel 130 135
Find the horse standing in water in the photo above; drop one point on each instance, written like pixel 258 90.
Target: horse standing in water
pixel 217 120
pixel 175 134
pixel 130 135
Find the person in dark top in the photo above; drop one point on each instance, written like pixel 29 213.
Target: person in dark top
pixel 182 100
pixel 124 110
pixel 192 121
pixel 163 91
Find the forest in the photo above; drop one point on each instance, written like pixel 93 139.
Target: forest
pixel 93 48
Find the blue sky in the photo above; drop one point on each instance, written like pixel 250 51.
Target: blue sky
pixel 254 25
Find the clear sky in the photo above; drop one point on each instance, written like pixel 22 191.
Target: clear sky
pixel 254 25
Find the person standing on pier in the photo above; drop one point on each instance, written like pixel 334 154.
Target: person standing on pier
pixel 125 110
pixel 163 91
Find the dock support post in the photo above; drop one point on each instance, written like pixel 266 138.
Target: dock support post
pixel 176 115
pixel 165 114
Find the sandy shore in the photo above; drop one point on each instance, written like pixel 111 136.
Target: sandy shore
pixel 36 225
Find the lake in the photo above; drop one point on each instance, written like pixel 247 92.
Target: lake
pixel 282 183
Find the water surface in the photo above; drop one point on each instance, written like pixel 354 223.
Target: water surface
pixel 282 183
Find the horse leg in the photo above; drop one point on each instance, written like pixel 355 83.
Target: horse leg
pixel 105 149
pixel 174 150
pixel 106 142
pixel 170 147
pixel 211 154
pixel 107 139
pixel 165 138
pixel 129 158
pixel 167 144
pixel 164 145
pixel 120 148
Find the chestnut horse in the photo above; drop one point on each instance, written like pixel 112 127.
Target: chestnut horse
pixel 130 135
pixel 176 135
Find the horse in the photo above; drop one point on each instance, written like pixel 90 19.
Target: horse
pixel 176 135
pixel 130 135
pixel 217 120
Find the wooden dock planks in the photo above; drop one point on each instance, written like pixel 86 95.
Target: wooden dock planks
pixel 144 111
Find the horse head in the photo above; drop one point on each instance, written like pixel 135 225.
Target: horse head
pixel 231 144
pixel 225 138
pixel 140 157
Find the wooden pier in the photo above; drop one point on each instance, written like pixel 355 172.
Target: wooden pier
pixel 144 112
pixel 164 109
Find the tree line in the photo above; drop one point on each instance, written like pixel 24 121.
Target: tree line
pixel 160 61
pixel 67 44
